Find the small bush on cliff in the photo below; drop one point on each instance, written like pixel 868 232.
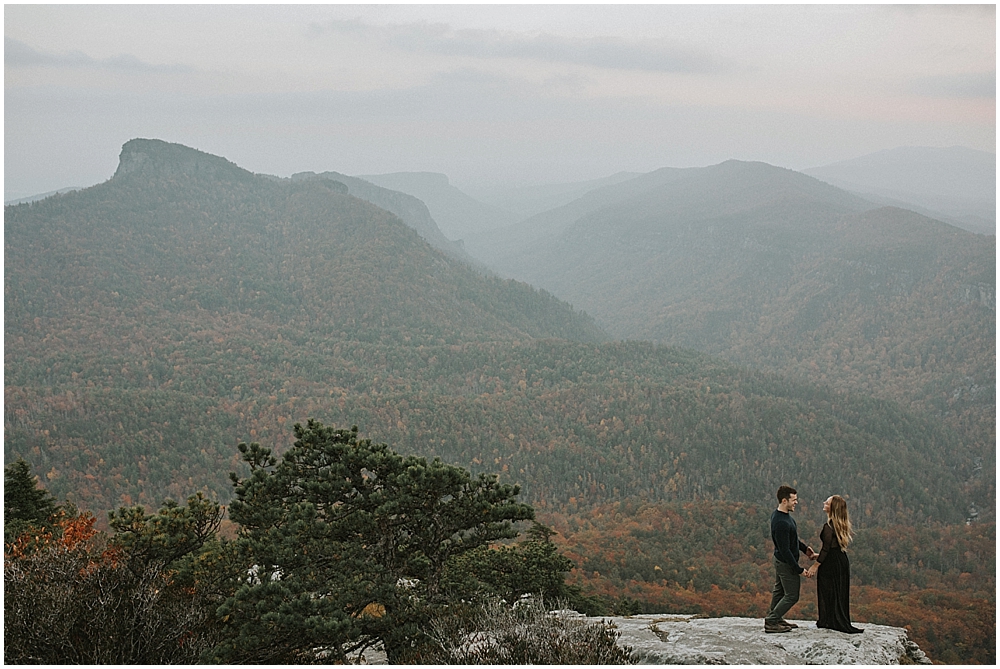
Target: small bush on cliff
pixel 524 633
pixel 73 595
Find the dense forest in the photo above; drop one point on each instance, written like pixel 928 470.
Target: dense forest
pixel 575 424
pixel 155 321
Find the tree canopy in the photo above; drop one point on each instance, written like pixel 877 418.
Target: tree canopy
pixel 25 504
pixel 348 542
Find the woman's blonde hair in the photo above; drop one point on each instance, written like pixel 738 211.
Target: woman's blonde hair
pixel 840 521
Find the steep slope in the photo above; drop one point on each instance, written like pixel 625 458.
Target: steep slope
pixel 459 215
pixel 956 181
pixel 189 234
pixel 410 210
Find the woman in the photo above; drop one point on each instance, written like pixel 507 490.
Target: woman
pixel 833 584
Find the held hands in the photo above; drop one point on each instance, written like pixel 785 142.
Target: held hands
pixel 812 555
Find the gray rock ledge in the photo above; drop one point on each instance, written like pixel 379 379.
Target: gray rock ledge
pixel 690 639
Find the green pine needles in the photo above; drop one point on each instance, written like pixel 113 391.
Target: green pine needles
pixel 350 545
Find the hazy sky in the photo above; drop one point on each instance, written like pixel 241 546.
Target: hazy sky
pixel 490 95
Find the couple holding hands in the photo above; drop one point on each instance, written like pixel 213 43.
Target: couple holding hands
pixel 832 569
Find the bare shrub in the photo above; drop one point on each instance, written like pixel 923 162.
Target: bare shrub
pixel 525 633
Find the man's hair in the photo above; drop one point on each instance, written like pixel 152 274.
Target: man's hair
pixel 786 491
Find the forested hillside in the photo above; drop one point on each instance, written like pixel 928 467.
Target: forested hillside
pixel 574 424
pixel 774 269
pixel 181 239
pixel 154 321
pixel 409 209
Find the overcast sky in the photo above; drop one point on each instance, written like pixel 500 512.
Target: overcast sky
pixel 490 95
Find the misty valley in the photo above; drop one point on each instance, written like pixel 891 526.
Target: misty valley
pixel 589 390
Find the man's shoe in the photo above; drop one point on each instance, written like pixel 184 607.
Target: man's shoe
pixel 792 625
pixel 776 628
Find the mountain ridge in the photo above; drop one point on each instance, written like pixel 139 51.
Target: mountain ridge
pixel 154 156
pixel 956 181
pixel 458 214
pixel 248 227
pixel 167 307
pixel 408 208
pixel 775 269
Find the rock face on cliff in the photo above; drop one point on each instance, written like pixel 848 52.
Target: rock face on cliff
pixel 154 156
pixel 689 639
pixel 666 638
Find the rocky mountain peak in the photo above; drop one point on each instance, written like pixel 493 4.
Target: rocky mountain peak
pixel 154 156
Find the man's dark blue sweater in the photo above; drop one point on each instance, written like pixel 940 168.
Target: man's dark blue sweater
pixel 785 535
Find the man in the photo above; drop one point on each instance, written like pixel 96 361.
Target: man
pixel 785 536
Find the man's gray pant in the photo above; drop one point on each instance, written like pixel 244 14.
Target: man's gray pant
pixel 785 592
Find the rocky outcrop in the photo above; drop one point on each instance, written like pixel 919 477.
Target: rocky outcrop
pixel 981 294
pixel 664 638
pixel 154 157
pixel 690 639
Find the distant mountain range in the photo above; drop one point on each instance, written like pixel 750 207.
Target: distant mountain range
pixel 527 201
pixel 498 247
pixel 954 184
pixel 458 215
pixel 155 320
pixel 776 269
pixel 40 196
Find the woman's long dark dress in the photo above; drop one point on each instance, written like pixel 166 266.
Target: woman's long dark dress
pixel 833 585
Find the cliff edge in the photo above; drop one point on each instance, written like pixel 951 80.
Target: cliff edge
pixel 164 159
pixel 690 639
pixel 665 638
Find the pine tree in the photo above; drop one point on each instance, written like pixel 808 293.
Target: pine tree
pixel 347 544
pixel 25 505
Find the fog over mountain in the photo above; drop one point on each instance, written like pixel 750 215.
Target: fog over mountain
pixel 530 200
pixel 457 214
pixel 641 263
pixel 495 97
pixel 774 268
pixel 955 183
